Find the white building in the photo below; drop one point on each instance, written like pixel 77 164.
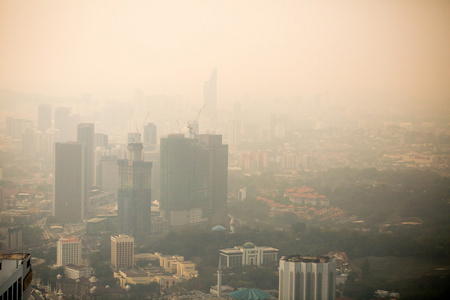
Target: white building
pixel 248 254
pixel 122 251
pixel 15 276
pixel 68 251
pixel 75 272
pixel 307 278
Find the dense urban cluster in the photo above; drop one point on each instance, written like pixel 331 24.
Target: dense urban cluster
pixel 163 199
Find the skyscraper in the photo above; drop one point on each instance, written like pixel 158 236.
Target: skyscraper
pixel 85 135
pixel 69 182
pixel 134 195
pixel 307 278
pixel 216 157
pixel 193 180
pixel 44 117
pixel 62 122
pixel 150 136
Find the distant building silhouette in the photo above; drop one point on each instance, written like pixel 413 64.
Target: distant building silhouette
pixel 193 181
pixel 134 195
pixel 44 117
pixel 69 188
pixel 150 137
pixel 62 122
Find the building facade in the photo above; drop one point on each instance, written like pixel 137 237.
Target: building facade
pixel 134 195
pixel 307 278
pixel 122 251
pixel 69 188
pixel 75 272
pixel 15 276
pixel 68 251
pixel 193 179
pixel 247 255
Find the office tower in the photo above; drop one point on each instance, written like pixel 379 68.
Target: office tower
pixel 108 174
pixel 216 158
pixel 15 240
pixel 193 179
pixel 150 136
pixel 122 251
pixel 16 127
pixel 15 276
pixel 134 194
pixel 100 140
pixel 307 277
pixel 69 182
pixel 62 122
pixel 68 251
pixel 210 100
pixel 44 117
pixel 234 133
pixel 85 135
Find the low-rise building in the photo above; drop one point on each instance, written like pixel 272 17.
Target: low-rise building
pixel 132 277
pixel 75 272
pixel 248 254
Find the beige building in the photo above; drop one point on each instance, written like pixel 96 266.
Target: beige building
pixel 132 277
pixel 122 251
pixel 68 251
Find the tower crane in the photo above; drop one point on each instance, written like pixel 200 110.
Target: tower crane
pixel 192 125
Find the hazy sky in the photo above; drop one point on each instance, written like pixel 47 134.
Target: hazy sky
pixel 270 48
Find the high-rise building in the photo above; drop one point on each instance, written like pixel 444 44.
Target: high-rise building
pixel 134 194
pixel 68 251
pixel 307 278
pixel 122 251
pixel 15 276
pixel 150 137
pixel 193 179
pixel 85 135
pixel 44 117
pixel 62 122
pixel 69 182
pixel 216 157
pixel 15 240
pixel 234 133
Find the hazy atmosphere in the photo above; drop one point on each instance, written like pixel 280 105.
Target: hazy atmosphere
pixel 348 49
pixel 225 149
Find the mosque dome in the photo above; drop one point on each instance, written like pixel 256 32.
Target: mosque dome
pixel 249 245
pixel 218 228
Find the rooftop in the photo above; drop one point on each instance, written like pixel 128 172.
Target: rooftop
pixel 307 258
pixel 14 256
pixel 69 239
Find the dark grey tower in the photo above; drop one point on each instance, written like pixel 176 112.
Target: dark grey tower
pixel 69 182
pixel 150 136
pixel 85 136
pixel 193 179
pixel 134 194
